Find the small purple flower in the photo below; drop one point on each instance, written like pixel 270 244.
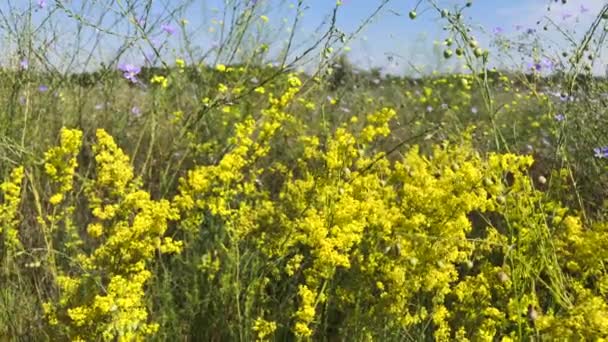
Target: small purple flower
pixel 547 63
pixel 498 30
pixel 559 117
pixel 43 88
pixel 566 16
pixel 22 100
pixel 136 111
pixel 130 72
pixel 601 152
pixel 429 109
pixel 24 64
pixel 584 9
pixel 41 4
pixel 518 27
pixel 474 110
pixel 530 31
pixel 534 66
pixel 168 28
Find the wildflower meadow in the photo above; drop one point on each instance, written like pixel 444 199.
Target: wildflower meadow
pixel 303 170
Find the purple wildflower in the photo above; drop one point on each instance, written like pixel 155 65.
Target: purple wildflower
pixel 41 4
pixel 474 110
pixel 43 88
pixel 601 152
pixel 130 72
pixel 24 64
pixel 547 63
pixel 136 111
pixel 518 27
pixel 584 9
pixel 559 117
pixel 169 29
pixel 429 109
pixel 566 16
pixel 498 30
pixel 535 66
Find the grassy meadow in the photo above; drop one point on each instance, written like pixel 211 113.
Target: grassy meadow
pixel 265 187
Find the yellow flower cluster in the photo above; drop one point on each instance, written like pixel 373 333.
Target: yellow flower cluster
pixel 107 298
pixel 444 241
pixel 264 329
pixel 162 81
pixel 60 162
pixel 9 210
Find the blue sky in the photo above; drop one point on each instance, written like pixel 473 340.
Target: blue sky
pixel 411 42
pixel 395 33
